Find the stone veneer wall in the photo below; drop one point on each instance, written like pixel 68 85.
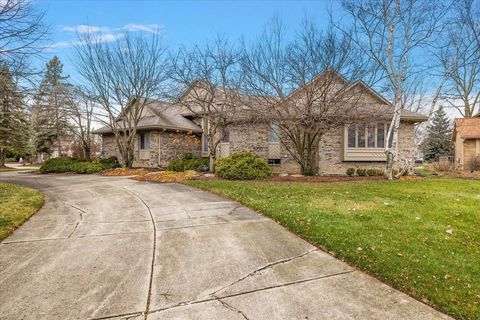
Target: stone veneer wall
pixel 331 151
pixel 254 138
pixel 164 146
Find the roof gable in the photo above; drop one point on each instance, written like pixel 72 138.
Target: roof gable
pixel 466 128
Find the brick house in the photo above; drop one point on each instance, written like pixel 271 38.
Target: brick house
pixel 466 137
pixel 168 130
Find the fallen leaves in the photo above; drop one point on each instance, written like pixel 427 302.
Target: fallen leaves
pixel 166 176
pixel 122 172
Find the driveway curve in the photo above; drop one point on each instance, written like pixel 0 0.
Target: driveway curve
pixel 114 248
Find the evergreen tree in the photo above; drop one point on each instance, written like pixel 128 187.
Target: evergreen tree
pixel 14 122
pixel 439 137
pixel 49 113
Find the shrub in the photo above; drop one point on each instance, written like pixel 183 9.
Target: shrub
pixel 109 163
pixel 187 162
pixel 58 165
pixel 361 172
pixel 351 171
pixel 243 166
pixel 375 172
pixel 474 164
pixel 86 167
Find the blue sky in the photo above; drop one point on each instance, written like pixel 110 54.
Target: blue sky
pixel 179 22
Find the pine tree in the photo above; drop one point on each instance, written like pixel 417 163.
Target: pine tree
pixel 14 122
pixel 439 137
pixel 49 113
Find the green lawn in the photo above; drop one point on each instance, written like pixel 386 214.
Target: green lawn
pixel 17 204
pixel 422 237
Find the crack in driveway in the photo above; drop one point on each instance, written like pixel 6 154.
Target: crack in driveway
pixel 149 294
pixel 264 268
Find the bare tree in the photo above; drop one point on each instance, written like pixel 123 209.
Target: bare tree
pixel 460 58
pixel 81 108
pixel 22 35
pixel 124 76
pixel 392 32
pixel 208 77
pixel 297 86
pixel 21 30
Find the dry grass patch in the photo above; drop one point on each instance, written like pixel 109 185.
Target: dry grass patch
pixel 167 176
pixel 121 172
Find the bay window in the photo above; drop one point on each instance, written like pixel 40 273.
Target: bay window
pixel 367 136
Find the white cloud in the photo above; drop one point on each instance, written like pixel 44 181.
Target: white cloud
pixel 151 28
pixel 83 28
pixel 103 33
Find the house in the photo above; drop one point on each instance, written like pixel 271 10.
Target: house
pixel 466 137
pixel 168 130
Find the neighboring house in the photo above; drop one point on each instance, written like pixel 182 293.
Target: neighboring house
pixel 466 136
pixel 168 130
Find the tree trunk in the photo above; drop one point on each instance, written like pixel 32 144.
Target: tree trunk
pixel 2 158
pixel 392 149
pixel 211 166
pixel 310 165
pixel 87 153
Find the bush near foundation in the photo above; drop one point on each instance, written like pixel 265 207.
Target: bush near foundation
pixel 243 166
pixel 188 162
pixel 350 171
pixel 59 165
pixel 109 163
pixel 86 167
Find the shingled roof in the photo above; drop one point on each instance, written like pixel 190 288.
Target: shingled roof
pixel 467 128
pixel 164 116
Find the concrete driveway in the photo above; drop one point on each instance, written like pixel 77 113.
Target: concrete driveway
pixel 113 248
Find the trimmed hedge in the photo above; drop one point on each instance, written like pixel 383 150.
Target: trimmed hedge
pixel 370 172
pixel 188 162
pixel 86 167
pixel 62 165
pixel 351 171
pixel 109 163
pixel 243 166
pixel 58 165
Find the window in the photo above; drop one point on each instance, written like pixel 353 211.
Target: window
pixel 351 136
pixel 226 136
pixel 360 137
pixel 145 140
pixel 273 133
pixel 370 136
pixel 274 162
pixel 380 135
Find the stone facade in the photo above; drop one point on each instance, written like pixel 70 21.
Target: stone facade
pixel 168 145
pixel 332 148
pixel 254 138
pixel 164 146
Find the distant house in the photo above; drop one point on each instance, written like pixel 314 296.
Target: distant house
pixel 168 130
pixel 466 137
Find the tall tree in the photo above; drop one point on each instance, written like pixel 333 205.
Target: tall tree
pixel 14 122
pixel 210 77
pixel 80 110
pixel 296 85
pixel 124 77
pixel 50 119
pixel 459 55
pixel 391 32
pixel 439 137
pixel 21 34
